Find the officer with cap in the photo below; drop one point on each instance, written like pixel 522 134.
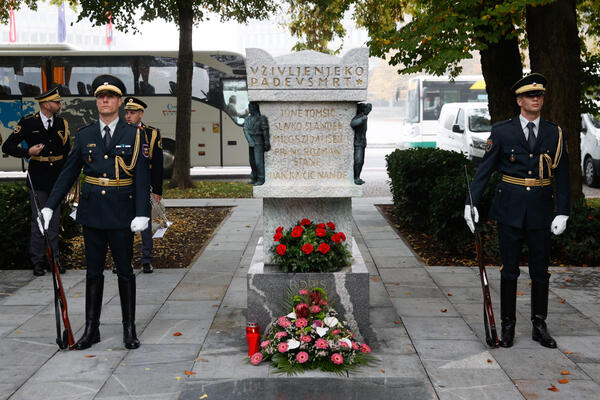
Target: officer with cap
pixel 47 144
pixel 530 152
pixel 134 112
pixel 113 203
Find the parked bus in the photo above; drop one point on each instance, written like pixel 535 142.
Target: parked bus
pixel 427 95
pixel 217 138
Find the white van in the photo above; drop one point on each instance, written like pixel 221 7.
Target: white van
pixel 590 150
pixel 464 128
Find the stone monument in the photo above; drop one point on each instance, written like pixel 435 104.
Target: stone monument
pixel 309 99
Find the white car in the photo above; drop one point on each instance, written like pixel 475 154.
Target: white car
pixel 464 128
pixel 590 150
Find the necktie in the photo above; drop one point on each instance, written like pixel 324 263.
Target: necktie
pixel 106 136
pixel 531 138
pixel 49 124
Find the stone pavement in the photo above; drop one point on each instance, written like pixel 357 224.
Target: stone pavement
pixel 424 351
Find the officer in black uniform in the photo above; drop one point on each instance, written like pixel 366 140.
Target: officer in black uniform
pixel 529 152
pixel 134 112
pixel 43 138
pixel 112 205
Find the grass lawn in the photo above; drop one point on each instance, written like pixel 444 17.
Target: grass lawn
pixel 209 189
pixel 593 202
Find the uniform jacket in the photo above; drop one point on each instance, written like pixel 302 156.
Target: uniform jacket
pixel 106 207
pixel 153 142
pixel 508 151
pixel 56 143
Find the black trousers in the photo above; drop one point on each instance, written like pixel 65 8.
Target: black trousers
pixel 96 246
pixel 511 242
pixel 252 163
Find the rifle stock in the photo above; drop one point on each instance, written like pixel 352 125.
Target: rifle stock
pixel 491 334
pixel 64 340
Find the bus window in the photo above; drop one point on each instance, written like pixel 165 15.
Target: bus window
pixel 200 82
pixel 413 103
pixel 18 75
pixel 235 98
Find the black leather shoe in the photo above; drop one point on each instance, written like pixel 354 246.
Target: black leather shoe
pixel 508 332
pixel 540 334
pixel 38 270
pixel 147 268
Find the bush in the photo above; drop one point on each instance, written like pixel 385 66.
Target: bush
pixel 579 244
pixel 15 214
pixel 429 188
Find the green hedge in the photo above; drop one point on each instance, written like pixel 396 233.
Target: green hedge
pixel 429 188
pixel 15 214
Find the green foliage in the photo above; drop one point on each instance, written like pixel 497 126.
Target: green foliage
pixel 580 242
pixel 310 247
pixel 429 188
pixel 15 214
pixel 210 190
pixel 16 5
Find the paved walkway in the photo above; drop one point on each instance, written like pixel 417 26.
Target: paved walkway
pixel 425 352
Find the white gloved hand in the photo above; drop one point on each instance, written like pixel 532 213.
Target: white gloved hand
pixel 138 224
pixel 47 216
pixel 559 224
pixel 469 218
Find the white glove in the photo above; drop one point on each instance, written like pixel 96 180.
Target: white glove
pixel 559 224
pixel 138 224
pixel 47 216
pixel 469 218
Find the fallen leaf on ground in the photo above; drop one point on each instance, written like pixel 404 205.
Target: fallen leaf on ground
pixel 177 378
pixel 383 371
pixel 568 280
pixel 204 396
pixel 177 334
pixel 443 310
pixel 563 381
pixel 565 373
pixel 561 300
pixel 407 293
pixel 489 360
pixel 568 352
pixel 397 322
pixel 519 293
pixel 562 286
pixel 188 372
pixel 90 356
pixel 553 388
pixel 449 294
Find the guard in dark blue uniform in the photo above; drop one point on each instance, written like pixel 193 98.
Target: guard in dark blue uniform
pixel 112 205
pixel 134 112
pixel 530 153
pixel 43 138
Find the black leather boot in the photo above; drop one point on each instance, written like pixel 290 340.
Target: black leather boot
pixel 127 295
pixel 539 311
pixel 508 310
pixel 94 288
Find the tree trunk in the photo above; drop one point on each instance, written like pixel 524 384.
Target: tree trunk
pixel 185 68
pixel 554 51
pixel 501 68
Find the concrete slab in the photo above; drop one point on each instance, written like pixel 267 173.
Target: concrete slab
pixel 575 389
pixel 450 328
pixel 162 331
pixel 540 363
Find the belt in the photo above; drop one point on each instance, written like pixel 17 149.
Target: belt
pixel 526 181
pixel 108 182
pixel 46 159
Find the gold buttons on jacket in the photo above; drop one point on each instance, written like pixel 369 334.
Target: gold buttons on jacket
pixel 531 156
pixel 104 192
pixel 104 174
pixel 528 188
pixel 529 172
pixel 106 156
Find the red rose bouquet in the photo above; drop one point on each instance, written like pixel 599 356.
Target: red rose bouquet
pixel 309 247
pixel 311 337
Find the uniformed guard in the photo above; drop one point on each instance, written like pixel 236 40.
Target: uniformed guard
pixel 530 152
pixel 113 203
pixel 43 138
pixel 359 124
pixel 134 112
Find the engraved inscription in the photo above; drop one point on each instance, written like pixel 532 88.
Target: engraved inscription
pixel 306 77
pixel 307 284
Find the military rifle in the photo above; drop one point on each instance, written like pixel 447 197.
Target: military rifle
pixel 491 334
pixel 60 301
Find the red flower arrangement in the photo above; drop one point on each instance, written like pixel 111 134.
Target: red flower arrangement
pixel 310 247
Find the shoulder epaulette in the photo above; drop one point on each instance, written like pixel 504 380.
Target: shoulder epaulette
pixel 30 115
pixel 497 124
pixel 85 126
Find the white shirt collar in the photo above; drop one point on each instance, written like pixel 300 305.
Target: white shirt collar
pixel 111 126
pixel 45 119
pixel 525 121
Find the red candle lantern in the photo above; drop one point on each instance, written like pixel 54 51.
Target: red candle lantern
pixel 252 337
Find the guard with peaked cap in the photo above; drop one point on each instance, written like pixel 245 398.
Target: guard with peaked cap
pixel 112 206
pixel 531 154
pixel 42 138
pixel 134 112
